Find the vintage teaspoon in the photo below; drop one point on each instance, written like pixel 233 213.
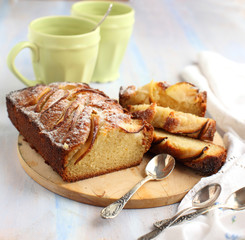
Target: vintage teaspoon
pixel 236 201
pixel 204 198
pixel 158 168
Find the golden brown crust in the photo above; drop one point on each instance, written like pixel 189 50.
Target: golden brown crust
pixel 182 96
pixel 171 123
pixel 146 112
pixel 208 130
pixel 205 157
pixel 32 135
pixel 176 122
pixel 61 121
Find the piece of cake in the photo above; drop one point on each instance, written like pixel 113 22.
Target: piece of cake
pixel 204 157
pixel 79 131
pixel 175 122
pixel 181 96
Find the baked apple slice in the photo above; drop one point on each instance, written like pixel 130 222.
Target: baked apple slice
pixel 133 126
pixel 85 149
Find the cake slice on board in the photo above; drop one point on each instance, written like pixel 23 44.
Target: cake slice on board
pixel 181 96
pixel 176 122
pixel 79 131
pixel 204 157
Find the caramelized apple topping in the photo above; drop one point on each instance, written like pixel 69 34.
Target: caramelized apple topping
pixel 39 91
pixel 42 100
pixel 134 126
pixel 69 114
pixel 86 148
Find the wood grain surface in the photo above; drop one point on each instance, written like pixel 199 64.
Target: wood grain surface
pixel 103 190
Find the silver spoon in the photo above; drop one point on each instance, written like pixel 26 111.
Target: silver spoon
pixel 204 198
pixel 158 168
pixel 104 17
pixel 236 201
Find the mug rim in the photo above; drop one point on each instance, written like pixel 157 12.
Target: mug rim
pixel 80 19
pixel 129 13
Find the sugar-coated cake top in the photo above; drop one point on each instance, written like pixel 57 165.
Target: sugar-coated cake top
pixel 68 111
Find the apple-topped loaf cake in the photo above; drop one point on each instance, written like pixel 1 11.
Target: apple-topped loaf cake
pixel 177 113
pixel 79 131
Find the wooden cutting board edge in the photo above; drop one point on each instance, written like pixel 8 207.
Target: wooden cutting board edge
pixel 142 199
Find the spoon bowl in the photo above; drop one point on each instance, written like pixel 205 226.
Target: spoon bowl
pixel 206 196
pixel 236 201
pixel 158 168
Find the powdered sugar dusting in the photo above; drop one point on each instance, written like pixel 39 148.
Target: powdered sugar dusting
pixel 65 115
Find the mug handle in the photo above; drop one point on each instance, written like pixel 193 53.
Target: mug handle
pixel 11 59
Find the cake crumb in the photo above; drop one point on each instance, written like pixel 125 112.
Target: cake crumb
pixel 65 146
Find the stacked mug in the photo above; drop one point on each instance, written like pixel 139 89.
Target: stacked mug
pixel 72 49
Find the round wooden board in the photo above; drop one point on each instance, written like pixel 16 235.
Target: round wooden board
pixel 103 190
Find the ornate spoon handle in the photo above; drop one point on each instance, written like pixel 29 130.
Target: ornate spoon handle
pixel 161 225
pixel 115 208
pixel 171 221
pixel 177 216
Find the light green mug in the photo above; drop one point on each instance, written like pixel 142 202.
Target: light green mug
pixel 115 33
pixel 63 48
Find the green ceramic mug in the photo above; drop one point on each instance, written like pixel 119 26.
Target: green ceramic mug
pixel 115 33
pixel 63 48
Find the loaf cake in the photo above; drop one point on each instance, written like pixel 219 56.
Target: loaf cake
pixel 181 96
pixel 204 157
pixel 176 122
pixel 79 131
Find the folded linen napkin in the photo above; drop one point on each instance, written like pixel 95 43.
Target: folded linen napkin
pixel 224 82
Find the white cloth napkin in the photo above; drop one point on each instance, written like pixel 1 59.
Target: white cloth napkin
pixel 224 82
